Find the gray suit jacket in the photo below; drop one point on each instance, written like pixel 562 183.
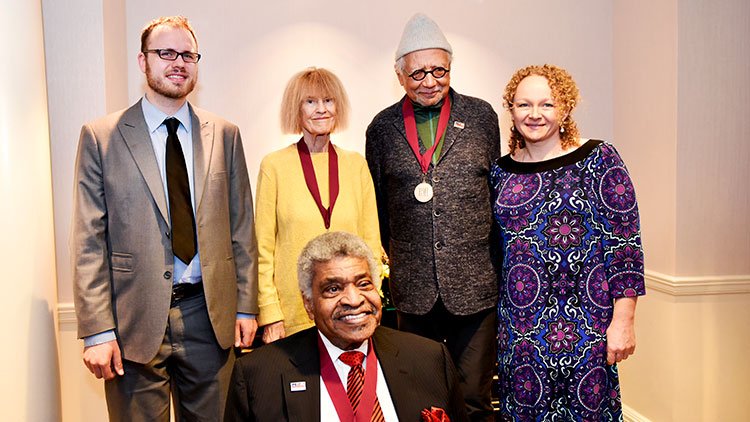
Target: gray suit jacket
pixel 122 253
pixel 441 247
pixel 419 373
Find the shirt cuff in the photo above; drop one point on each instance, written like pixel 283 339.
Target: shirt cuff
pixel 242 315
pixel 100 338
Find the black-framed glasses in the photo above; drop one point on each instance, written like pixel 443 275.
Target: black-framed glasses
pixel 436 73
pixel 171 55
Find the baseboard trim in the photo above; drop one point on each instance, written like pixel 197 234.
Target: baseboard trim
pixel 698 286
pixel 630 415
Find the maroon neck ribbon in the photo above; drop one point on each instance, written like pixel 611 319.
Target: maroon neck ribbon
pixel 410 124
pixel 312 181
pixel 336 388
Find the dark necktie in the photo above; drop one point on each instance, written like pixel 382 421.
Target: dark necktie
pixel 180 206
pixel 355 382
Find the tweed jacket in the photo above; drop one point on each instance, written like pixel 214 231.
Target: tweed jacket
pixel 121 250
pixel 419 373
pixel 441 247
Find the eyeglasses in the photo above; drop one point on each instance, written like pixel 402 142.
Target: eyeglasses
pixel 171 55
pixel 436 73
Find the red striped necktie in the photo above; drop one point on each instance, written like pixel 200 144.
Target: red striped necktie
pixel 355 382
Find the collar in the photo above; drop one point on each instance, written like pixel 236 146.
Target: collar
pixel 334 352
pixel 418 108
pixel 155 117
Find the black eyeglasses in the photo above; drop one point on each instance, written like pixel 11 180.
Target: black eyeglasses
pixel 171 55
pixel 436 73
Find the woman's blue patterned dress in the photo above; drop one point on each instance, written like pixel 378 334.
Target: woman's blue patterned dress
pixel 571 245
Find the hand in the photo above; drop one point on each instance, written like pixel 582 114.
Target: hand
pixel 244 332
pixel 621 331
pixel 273 332
pixel 104 360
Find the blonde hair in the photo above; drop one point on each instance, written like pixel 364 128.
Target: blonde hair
pixel 564 93
pixel 312 82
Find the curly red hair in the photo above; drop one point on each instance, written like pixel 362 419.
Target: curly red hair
pixel 564 93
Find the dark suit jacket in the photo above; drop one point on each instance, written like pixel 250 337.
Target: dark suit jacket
pixel 122 253
pixel 442 246
pixel 419 373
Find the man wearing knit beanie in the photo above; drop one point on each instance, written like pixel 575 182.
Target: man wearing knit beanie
pixel 430 156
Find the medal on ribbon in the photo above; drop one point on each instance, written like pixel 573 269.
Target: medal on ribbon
pixel 423 191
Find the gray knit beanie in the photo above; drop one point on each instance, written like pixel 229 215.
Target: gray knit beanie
pixel 421 33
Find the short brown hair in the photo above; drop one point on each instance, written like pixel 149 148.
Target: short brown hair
pixel 173 21
pixel 312 82
pixel 564 93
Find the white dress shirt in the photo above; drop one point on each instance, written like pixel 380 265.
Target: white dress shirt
pixel 327 410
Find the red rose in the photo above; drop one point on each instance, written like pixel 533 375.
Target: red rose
pixel 435 414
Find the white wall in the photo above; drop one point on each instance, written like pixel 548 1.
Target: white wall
pixel 645 99
pixel 30 383
pixel 682 82
pixel 713 222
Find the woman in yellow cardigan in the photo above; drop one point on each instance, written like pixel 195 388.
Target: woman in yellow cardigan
pixel 304 190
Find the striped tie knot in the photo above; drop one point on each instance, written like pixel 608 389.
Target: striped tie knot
pixel 352 358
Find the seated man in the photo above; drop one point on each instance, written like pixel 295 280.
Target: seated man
pixel 346 367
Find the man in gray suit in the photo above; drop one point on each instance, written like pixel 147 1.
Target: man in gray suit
pixel 430 156
pixel 164 252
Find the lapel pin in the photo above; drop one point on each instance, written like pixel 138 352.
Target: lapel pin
pixel 459 125
pixel 298 386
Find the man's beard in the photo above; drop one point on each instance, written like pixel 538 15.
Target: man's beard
pixel 161 86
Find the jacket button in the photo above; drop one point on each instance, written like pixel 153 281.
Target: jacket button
pixel 438 245
pixel 435 179
pixel 167 275
pixel 167 234
pixel 436 213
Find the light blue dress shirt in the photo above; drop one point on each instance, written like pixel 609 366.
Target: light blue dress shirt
pixel 190 272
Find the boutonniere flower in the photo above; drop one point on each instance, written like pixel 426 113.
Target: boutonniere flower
pixel 435 414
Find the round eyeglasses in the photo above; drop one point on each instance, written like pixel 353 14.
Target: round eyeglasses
pixel 436 73
pixel 171 55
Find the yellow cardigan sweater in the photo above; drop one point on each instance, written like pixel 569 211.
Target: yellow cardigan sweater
pixel 286 218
